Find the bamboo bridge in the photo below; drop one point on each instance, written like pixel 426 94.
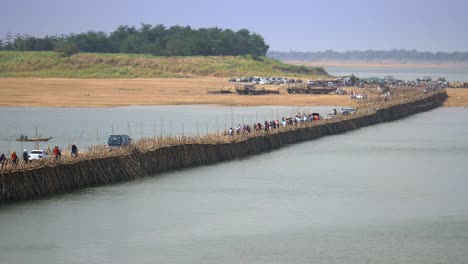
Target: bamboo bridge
pixel 62 177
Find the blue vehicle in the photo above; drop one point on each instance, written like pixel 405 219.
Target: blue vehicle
pixel 347 111
pixel 118 141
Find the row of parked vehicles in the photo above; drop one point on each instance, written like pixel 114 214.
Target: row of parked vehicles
pixel 343 111
pixel 265 80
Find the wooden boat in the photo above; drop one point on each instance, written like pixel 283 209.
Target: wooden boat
pixel 32 139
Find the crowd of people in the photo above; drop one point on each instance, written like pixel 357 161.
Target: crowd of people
pixel 300 118
pixel 26 157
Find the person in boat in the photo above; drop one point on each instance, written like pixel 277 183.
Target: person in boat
pixel 14 157
pixel 25 156
pixel 22 137
pixel 74 150
pixel 57 153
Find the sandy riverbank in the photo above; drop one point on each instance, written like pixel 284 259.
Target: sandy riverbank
pixel 457 97
pixel 42 92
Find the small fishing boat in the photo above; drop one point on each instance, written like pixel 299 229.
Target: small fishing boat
pixel 33 139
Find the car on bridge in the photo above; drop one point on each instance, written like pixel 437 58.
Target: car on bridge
pixel 37 154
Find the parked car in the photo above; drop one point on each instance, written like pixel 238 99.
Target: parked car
pixel 329 116
pixel 117 141
pixel 37 154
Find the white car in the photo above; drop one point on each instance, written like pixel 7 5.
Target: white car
pixel 37 154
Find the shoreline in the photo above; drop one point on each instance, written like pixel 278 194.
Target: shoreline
pixel 379 64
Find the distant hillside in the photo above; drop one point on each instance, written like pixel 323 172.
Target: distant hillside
pixel 97 65
pixel 369 55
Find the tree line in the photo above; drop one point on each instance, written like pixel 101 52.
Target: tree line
pixel 395 54
pixel 147 39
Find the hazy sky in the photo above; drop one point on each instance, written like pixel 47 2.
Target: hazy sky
pixel 298 25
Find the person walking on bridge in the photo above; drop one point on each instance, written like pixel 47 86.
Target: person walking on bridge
pixel 14 158
pixel 57 153
pixel 3 159
pixel 74 151
pixel 25 156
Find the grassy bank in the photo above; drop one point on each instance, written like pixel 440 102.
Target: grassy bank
pixel 98 65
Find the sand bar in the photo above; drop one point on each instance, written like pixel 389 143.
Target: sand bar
pixel 55 92
pixel 45 92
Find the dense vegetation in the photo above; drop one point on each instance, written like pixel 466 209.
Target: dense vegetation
pixel 148 39
pixel 368 55
pixel 99 65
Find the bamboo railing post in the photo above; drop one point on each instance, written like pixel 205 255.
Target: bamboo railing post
pixel 142 129
pixel 232 118
pixel 128 126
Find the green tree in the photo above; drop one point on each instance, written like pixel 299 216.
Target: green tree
pixel 91 41
pixel 148 39
pixel 135 43
pixel 28 43
pixel 121 34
